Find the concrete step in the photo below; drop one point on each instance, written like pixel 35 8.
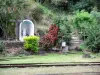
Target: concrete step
pixel 73 37
pixel 75 41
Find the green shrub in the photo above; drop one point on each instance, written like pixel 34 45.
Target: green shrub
pixel 82 16
pixel 64 29
pixel 93 38
pixel 2 46
pixel 82 20
pixel 89 30
pixel 82 47
pixel 96 14
pixel 31 43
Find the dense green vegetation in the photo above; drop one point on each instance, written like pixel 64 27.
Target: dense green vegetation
pixel 10 10
pixel 64 33
pixel 85 22
pixel 88 29
pixel 84 18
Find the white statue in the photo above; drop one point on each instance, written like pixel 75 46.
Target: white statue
pixel 24 32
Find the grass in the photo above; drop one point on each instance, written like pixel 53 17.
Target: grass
pixel 49 58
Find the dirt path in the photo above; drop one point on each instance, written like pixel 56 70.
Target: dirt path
pixel 68 70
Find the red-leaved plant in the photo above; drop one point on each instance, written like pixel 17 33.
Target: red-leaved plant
pixel 51 37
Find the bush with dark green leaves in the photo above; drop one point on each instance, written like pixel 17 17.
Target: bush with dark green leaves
pixel 82 20
pixel 89 30
pixel 96 14
pixel 64 33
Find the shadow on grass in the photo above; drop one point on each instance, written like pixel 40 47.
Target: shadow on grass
pixel 4 60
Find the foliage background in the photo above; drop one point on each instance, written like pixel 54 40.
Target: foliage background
pixel 45 12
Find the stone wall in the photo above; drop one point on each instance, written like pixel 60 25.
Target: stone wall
pixel 15 44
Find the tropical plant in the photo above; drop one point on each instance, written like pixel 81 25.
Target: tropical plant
pixel 49 40
pixel 82 20
pixel 89 30
pixel 93 36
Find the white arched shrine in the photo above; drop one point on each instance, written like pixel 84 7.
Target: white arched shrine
pixel 26 28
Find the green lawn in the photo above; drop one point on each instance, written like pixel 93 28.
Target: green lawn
pixel 49 58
